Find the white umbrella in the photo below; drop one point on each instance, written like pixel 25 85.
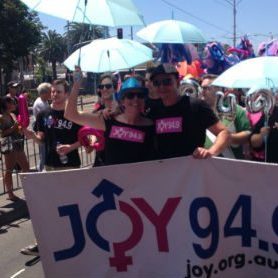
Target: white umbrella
pixel 109 55
pixel 171 31
pixel 97 12
pixel 259 72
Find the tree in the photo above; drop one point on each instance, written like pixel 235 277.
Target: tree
pixel 20 33
pixel 78 34
pixel 53 49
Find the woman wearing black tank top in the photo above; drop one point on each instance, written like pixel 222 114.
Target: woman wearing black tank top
pixel 129 135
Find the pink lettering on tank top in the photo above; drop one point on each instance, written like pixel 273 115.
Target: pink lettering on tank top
pixel 169 125
pixel 127 134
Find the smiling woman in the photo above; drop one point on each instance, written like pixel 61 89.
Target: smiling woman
pixel 128 135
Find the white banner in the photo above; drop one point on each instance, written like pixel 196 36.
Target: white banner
pixel 180 217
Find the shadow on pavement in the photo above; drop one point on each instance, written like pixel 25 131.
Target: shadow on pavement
pixel 33 261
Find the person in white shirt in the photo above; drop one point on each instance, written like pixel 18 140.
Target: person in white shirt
pixel 40 104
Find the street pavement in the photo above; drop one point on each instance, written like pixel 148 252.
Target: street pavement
pixel 11 211
pixel 13 264
pixel 15 227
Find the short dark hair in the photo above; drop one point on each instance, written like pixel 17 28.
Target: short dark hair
pixel 111 77
pixel 4 101
pixel 165 69
pixel 63 83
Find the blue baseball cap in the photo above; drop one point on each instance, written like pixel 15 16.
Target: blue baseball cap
pixel 131 84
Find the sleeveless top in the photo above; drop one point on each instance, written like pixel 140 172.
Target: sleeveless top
pixel 126 143
pixel 12 142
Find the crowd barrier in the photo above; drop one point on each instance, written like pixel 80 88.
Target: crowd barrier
pixel 32 153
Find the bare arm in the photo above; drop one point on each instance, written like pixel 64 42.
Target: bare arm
pixel 9 130
pixel 81 118
pixel 257 139
pixel 67 148
pixel 240 138
pixel 222 141
pixel 38 137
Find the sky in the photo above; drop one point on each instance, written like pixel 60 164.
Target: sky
pixel 214 18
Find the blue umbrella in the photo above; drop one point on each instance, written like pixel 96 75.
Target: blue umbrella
pixel 259 72
pixel 96 12
pixel 109 55
pixel 171 31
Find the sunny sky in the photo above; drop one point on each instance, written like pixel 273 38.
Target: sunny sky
pixel 258 19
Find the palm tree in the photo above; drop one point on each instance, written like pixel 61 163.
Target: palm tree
pixel 53 49
pixel 79 34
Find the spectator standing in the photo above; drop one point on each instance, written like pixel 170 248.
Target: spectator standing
pixel 181 121
pixel 13 88
pixel 58 134
pixel 106 91
pixel 128 135
pixel 41 104
pixel 239 126
pixel 265 135
pixel 153 98
pixel 12 143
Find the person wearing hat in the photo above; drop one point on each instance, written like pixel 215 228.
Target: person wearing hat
pixel 12 89
pixel 12 92
pixel 181 121
pixel 128 135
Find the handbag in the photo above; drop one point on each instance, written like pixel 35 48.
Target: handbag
pixel 6 144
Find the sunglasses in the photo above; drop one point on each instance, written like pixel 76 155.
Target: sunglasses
pixel 132 95
pixel 107 86
pixel 164 82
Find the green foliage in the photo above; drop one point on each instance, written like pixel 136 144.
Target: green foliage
pixel 20 31
pixel 78 33
pixel 52 49
pixel 41 71
pixel 32 96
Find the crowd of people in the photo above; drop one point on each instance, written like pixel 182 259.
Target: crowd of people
pixel 149 117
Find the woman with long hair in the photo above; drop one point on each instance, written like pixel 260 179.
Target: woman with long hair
pixel 12 143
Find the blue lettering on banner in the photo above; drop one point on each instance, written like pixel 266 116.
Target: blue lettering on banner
pixel 72 211
pixel 212 229
pixel 108 191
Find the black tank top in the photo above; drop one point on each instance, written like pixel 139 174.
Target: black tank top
pixel 126 143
